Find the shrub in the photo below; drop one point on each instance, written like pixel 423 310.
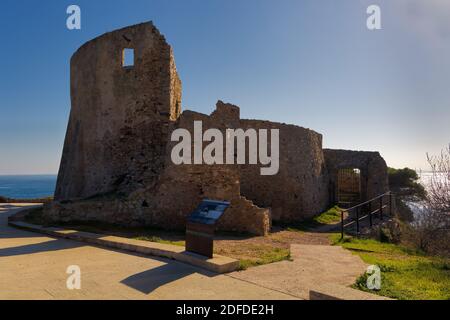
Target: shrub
pixel 405 181
pixel 432 225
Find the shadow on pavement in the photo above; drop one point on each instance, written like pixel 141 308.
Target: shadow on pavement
pixel 52 245
pixel 150 280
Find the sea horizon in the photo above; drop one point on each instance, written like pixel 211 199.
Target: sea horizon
pixel 32 186
pixel 27 186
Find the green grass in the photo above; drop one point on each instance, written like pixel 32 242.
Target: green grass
pixel 331 216
pixel 249 255
pixel 35 200
pixel 265 257
pixel 34 216
pixel 180 243
pixel 405 274
pixel 262 254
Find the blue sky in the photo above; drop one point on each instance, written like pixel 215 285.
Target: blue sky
pixel 311 63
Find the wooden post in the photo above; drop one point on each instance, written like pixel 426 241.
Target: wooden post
pixel 342 224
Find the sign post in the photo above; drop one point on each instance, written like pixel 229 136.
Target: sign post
pixel 201 225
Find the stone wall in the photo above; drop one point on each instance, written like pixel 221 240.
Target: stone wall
pixel 119 115
pixel 181 187
pixel 177 192
pixel 116 165
pixel 373 171
pixel 300 189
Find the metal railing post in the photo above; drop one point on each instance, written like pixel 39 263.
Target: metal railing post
pixel 361 210
pixel 381 208
pixel 357 220
pixel 390 204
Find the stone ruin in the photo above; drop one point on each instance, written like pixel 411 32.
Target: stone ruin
pixel 116 165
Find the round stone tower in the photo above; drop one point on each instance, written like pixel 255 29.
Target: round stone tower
pixel 121 109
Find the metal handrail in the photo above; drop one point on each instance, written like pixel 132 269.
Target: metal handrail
pixel 370 214
pixel 368 201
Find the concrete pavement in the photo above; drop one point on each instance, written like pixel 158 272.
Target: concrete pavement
pixel 33 266
pixel 328 271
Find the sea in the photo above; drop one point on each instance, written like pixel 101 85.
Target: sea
pixel 425 178
pixel 27 186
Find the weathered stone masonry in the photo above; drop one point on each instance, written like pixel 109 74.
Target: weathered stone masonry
pixel 120 116
pixel 373 168
pixel 116 164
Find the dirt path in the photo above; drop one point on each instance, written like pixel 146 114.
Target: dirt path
pixel 254 247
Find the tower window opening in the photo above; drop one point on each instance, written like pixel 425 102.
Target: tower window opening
pixel 128 57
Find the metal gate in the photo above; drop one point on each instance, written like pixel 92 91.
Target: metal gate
pixel 349 187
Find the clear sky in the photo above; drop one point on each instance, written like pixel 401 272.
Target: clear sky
pixel 312 63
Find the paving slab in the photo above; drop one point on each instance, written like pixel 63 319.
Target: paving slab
pixel 316 271
pixel 33 266
pixel 218 263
